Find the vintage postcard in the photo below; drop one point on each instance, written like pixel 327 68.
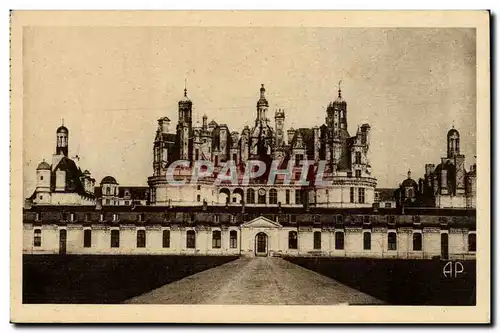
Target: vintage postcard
pixel 250 167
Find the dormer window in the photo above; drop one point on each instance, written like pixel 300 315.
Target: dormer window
pixel 115 217
pixel 37 217
pixel 101 217
pixel 72 216
pixel 140 217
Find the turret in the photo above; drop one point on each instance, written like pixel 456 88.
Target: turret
pixel 262 106
pixel 62 135
pixel 453 140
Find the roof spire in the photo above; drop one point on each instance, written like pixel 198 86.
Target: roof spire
pixel 185 87
pixel 62 121
pixel 340 90
pixel 409 174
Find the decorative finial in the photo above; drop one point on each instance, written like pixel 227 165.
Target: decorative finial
pixel 453 124
pixel 185 87
pixel 62 121
pixel 409 174
pixel 340 90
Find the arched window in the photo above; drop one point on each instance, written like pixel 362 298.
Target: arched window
pixel 339 240
pixel 392 241
pixel 273 197
pixel 87 238
pixel 317 240
pixel 166 238
pixel 262 196
pixel 115 238
pixel 141 238
pixel 417 241
pixel 37 238
pixel 233 239
pixel 250 196
pixel 292 240
pixel 472 242
pixel 367 240
pixel 216 239
pixel 190 239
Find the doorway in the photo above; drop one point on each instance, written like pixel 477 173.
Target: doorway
pixel 62 241
pixel 444 246
pixel 261 244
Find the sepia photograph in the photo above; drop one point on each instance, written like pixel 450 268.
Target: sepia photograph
pixel 283 162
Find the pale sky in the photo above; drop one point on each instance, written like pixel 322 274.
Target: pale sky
pixel 112 84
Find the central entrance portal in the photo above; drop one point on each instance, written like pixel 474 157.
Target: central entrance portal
pixel 261 244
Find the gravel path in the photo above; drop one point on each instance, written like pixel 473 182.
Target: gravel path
pixel 256 281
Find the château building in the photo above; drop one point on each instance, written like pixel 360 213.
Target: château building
pixel 347 170
pixel 346 217
pixel 62 182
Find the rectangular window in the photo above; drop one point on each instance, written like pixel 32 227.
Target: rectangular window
pixel 87 238
pixel 190 239
pixel 216 239
pixel 37 238
pixel 292 240
pixel 37 217
pixel 392 241
pixel 166 238
pixel 233 239
pixel 287 197
pixel 317 240
pixel 361 195
pixel 298 197
pixel 235 157
pixel 472 242
pixel 357 157
pixel 198 198
pixel 417 241
pixel 339 240
pixel 358 173
pixel 107 201
pixel 196 154
pixel 367 241
pixel 153 195
pixel 115 217
pixel 115 238
pixel 352 194
pixel 141 238
pixel 72 217
pixel 349 174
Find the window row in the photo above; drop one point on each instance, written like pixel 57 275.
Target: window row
pixel 292 240
pixel 367 241
pixel 141 238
